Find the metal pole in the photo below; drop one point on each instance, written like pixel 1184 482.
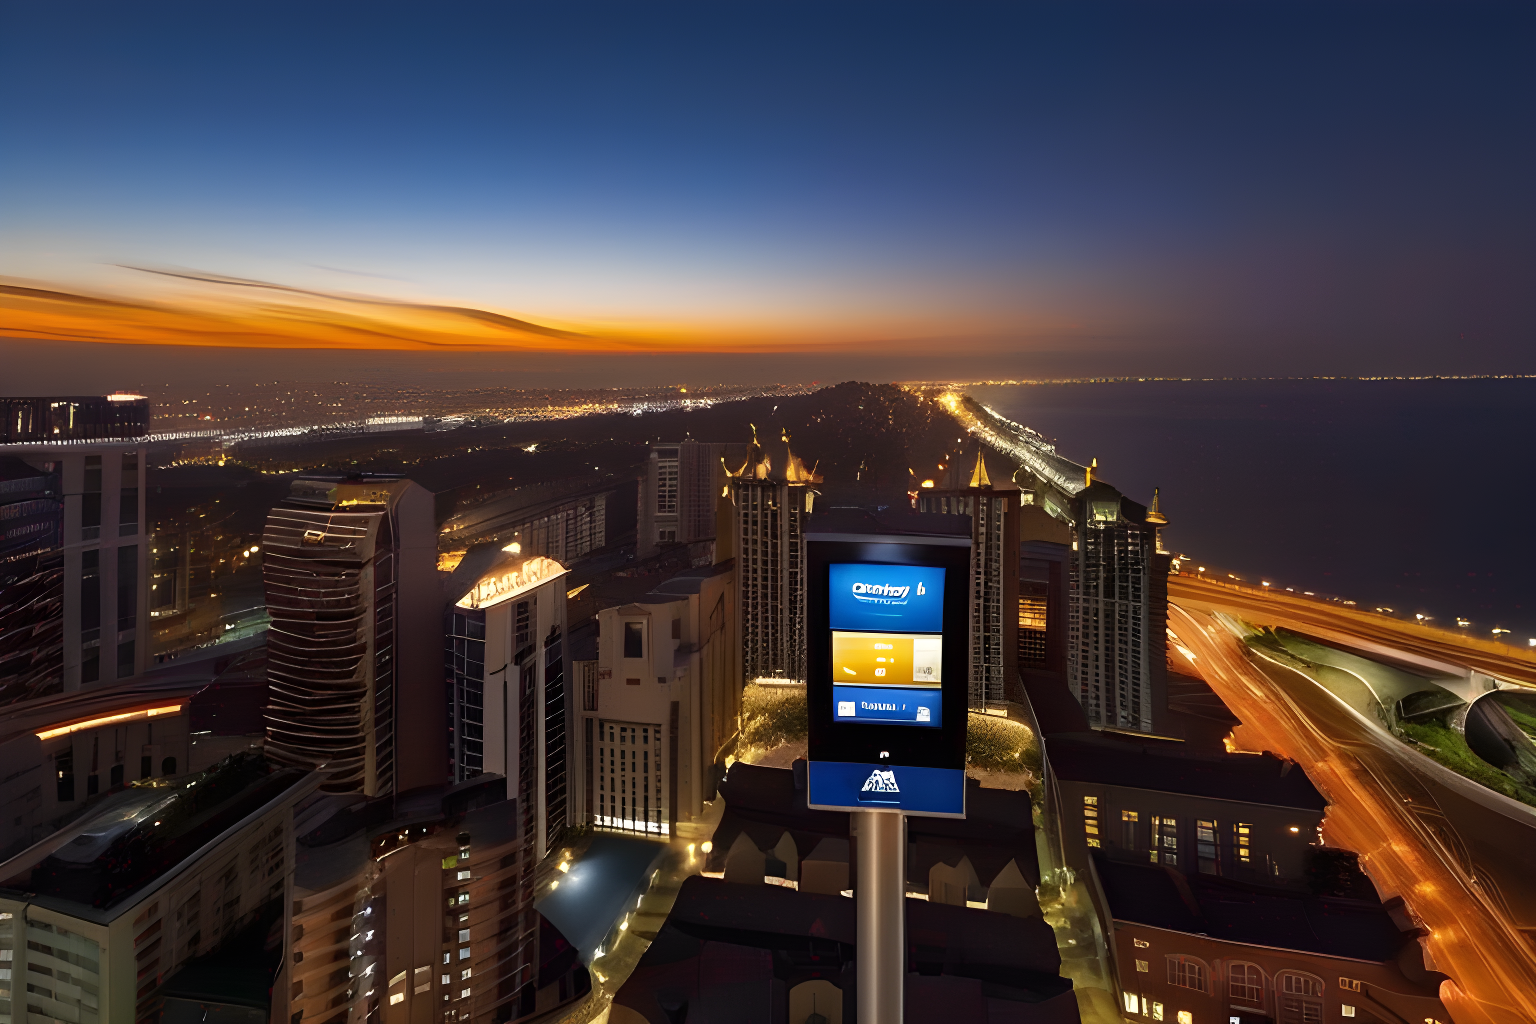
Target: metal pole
pixel 882 924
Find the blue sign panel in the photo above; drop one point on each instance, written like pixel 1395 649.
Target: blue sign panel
pixel 891 705
pixel 899 598
pixel 845 786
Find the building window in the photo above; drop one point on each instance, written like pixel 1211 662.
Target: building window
pixel 1346 1010
pixel 1091 819
pixel 1130 824
pixel 1207 855
pixel 1245 985
pixel 634 639
pixel 1242 833
pixel 1185 1017
pixel 464 953
pixel 1349 984
pixel 1132 1002
pixel 1142 968
pixel 1187 972
pixel 1165 840
pixel 463 934
pixel 1157 1011
pixel 1300 997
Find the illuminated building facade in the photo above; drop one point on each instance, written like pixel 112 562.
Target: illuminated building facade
pixel 1116 612
pixel 768 525
pixel 353 649
pixel 73 550
pixel 664 709
pixel 1117 622
pixel 996 613
pixel 683 481
pixel 430 919
pixel 509 705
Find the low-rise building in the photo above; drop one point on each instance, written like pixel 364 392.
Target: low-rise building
pixel 668 696
pixel 95 918
pixel 1253 817
pixel 1203 948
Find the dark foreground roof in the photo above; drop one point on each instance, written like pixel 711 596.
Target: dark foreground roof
pixel 767 802
pixel 1253 778
pixel 1251 914
pixel 726 949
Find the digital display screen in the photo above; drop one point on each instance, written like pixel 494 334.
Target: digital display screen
pixel 887 643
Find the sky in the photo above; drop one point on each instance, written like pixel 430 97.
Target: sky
pixel 898 191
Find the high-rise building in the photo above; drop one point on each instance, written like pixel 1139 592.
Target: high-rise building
pixel 995 609
pixel 355 644
pixel 1116 599
pixel 73 551
pixel 768 515
pixel 683 481
pixel 509 703
pixel 430 918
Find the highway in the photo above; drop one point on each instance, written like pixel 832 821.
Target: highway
pixel 1461 857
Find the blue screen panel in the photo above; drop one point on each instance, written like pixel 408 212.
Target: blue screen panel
pixel 888 705
pixel 896 598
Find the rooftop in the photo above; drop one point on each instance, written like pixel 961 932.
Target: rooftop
pixel 1357 929
pixel 1117 761
pixel 141 837
pixel 767 802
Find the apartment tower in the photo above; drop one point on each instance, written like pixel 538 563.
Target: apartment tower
pixel 355 645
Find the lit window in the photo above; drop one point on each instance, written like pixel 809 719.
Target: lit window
pixel 463 897
pixel 1157 1011
pixel 464 953
pixel 447 957
pixel 464 976
pixel 463 934
pixel 1141 943
pixel 398 997
pixel 1349 984
pixel 1142 968
pixel 1132 1002
pixel 1346 1010
pixel 1185 1017
pixel 1129 816
pixel 463 993
pixel 463 876
pixel 447 978
pixel 1093 842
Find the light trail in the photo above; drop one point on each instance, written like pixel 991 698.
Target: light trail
pixel 1384 807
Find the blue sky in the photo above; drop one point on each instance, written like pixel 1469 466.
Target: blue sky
pixel 1257 188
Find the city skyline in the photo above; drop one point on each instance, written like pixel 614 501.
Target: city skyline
pixel 1027 193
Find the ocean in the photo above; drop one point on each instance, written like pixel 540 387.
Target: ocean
pixel 1402 494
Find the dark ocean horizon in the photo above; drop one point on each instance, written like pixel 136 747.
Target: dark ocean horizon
pixel 1404 494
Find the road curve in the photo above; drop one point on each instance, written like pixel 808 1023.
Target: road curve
pixel 1380 804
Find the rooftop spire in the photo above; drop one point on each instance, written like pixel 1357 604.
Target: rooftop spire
pixel 979 476
pixel 1155 514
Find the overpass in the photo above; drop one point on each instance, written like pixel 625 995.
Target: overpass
pixel 1462 856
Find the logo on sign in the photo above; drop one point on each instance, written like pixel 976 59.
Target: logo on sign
pixel 880 782
pixel 882 593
